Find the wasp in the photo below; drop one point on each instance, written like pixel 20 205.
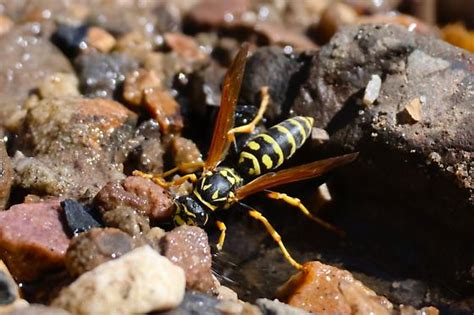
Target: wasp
pixel 219 187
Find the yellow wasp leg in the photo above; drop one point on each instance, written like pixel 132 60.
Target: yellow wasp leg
pixel 221 226
pixel 276 237
pixel 248 128
pixel 295 202
pixel 183 167
pixel 158 179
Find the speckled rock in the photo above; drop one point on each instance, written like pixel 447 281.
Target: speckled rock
pixel 188 247
pixel 33 239
pixel 434 152
pixel 27 59
pixel 138 282
pixel 127 220
pixel 90 249
pixel 72 147
pixel 6 176
pixel 138 193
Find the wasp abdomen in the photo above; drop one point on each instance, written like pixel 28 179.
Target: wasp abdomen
pixel 268 150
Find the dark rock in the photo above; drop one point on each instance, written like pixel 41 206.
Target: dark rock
pixel 70 39
pixel 414 174
pixel 6 176
pixel 27 59
pixel 8 288
pixel 269 66
pixel 128 220
pixel 276 307
pixel 101 75
pixel 138 193
pixel 195 303
pixel 78 218
pixel 72 147
pixel 90 249
pixel 188 247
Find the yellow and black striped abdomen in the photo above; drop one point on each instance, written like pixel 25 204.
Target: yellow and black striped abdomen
pixel 268 150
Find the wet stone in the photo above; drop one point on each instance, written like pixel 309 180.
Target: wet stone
pixel 147 155
pixel 59 85
pixel 101 75
pixel 70 39
pixel 188 247
pixel 127 220
pixel 276 307
pixel 39 309
pixel 6 176
pixel 100 39
pixel 78 218
pixel 212 14
pixel 195 303
pixel 90 249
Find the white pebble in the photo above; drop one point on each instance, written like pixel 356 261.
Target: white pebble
pixel 372 90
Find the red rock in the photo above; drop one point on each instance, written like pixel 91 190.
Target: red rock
pixel 323 289
pixel 164 108
pixel 276 33
pixel 33 239
pixel 185 46
pixel 215 13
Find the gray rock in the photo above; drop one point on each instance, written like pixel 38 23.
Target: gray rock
pixel 100 75
pixel 418 176
pixel 276 307
pixel 6 176
pixel 39 309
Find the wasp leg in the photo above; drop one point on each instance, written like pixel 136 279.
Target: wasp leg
pixel 248 128
pixel 221 226
pixel 159 180
pixel 183 167
pixel 295 202
pixel 276 237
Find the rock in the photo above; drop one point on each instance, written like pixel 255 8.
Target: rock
pixel 6 24
pixel 100 75
pixel 372 90
pixel 370 6
pixel 188 247
pixel 163 108
pixel 27 59
pixel 70 39
pixel 128 220
pixel 74 146
pixel 32 239
pixel 269 66
pixel 277 308
pixel 100 39
pixel 153 236
pixel 95 247
pixel 147 156
pixel 6 176
pixel 212 14
pixel 278 34
pixel 136 45
pixel 323 289
pixel 411 23
pixel 411 113
pixel 39 309
pixel 138 282
pixel 138 83
pixel 78 219
pixel 185 151
pixel 185 46
pixel 334 17
pixel 434 155
pixel 59 85
pixel 138 193
pixel 9 291
pixel 195 303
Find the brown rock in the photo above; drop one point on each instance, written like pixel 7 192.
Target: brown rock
pixel 411 113
pixel 138 83
pixel 154 236
pixel 33 239
pixel 9 291
pixel 94 247
pixel 188 247
pixel 335 16
pixel 19 74
pixel 100 39
pixel 75 146
pixel 39 309
pixel 164 108
pixel 278 34
pixel 215 13
pixel 408 21
pixel 127 220
pixel 323 289
pixel 59 85
pixel 135 44
pixel 6 176
pixel 185 46
pixel 6 24
pixel 138 193
pixel 185 151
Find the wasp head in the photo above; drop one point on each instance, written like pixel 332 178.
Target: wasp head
pixel 189 211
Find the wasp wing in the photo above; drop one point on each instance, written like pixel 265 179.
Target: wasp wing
pixel 294 174
pixel 225 117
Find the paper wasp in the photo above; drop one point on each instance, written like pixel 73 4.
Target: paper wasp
pixel 218 188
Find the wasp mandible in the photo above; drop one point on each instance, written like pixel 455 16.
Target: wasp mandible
pixel 217 188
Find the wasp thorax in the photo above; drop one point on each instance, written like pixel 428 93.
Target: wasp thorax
pixel 189 211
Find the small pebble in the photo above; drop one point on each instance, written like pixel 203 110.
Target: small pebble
pixel 372 90
pixel 411 113
pixel 78 219
pixel 59 85
pixel 100 39
pixel 128 220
